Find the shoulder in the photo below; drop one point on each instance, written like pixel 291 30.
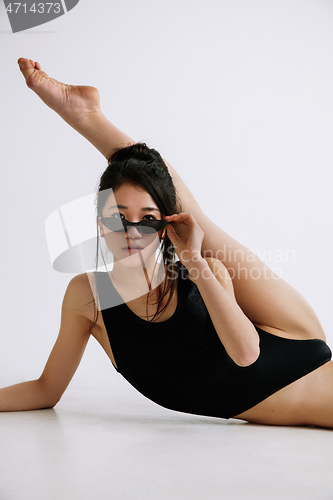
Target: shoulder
pixel 79 296
pixel 79 289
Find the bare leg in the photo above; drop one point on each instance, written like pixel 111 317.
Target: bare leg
pixel 78 105
pixel 266 299
pixel 307 401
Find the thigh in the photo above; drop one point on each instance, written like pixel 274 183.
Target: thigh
pixel 307 401
pixel 265 298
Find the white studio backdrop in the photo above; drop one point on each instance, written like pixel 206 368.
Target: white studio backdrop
pixel 237 95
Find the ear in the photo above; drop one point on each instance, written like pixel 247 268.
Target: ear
pixel 100 225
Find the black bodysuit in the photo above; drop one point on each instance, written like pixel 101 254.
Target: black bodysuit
pixel 182 365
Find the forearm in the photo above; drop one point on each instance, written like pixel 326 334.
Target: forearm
pixel 25 396
pixel 235 330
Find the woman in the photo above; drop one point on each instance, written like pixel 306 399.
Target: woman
pixel 226 338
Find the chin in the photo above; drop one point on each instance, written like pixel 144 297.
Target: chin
pixel 132 261
pixel 136 259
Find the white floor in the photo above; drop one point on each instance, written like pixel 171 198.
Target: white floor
pixel 115 446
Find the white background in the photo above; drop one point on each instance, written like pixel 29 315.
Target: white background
pixel 237 95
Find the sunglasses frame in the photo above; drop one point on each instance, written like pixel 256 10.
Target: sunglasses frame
pixel 135 224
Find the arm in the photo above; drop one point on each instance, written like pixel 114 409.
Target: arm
pixel 63 360
pixel 236 332
pixel 222 275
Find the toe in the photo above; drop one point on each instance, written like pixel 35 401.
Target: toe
pixel 26 67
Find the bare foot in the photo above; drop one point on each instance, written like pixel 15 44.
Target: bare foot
pixel 72 102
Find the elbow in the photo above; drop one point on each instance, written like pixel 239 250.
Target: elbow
pixel 249 358
pixel 49 404
pixel 53 401
pixel 49 397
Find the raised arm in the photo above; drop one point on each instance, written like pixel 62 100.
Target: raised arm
pixel 236 332
pixel 64 359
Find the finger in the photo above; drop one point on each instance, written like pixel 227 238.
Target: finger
pixel 182 218
pixel 173 237
pixel 171 230
pixel 181 214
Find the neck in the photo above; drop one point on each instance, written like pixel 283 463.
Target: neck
pixel 144 277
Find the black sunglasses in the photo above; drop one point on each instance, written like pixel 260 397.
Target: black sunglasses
pixel 146 226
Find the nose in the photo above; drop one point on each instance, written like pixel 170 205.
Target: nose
pixel 133 233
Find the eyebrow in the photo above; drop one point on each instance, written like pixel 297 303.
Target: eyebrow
pixel 144 209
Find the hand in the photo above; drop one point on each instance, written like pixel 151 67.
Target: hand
pixel 188 249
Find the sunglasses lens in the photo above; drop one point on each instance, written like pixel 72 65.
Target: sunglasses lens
pixel 151 226
pixel 115 225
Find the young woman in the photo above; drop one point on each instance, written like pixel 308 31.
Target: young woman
pixel 196 335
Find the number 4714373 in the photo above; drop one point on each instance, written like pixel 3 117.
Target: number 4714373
pixel 36 8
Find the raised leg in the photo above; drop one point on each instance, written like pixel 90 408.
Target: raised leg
pixel 78 105
pixel 266 299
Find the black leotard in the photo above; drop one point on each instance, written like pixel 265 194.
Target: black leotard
pixel 182 365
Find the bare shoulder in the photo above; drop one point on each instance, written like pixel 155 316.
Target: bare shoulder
pixel 79 295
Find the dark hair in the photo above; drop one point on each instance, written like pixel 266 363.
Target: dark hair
pixel 139 165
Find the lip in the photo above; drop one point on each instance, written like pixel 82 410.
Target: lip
pixel 133 249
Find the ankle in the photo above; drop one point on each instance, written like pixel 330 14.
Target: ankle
pixel 87 121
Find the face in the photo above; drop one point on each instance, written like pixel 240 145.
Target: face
pixel 134 204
